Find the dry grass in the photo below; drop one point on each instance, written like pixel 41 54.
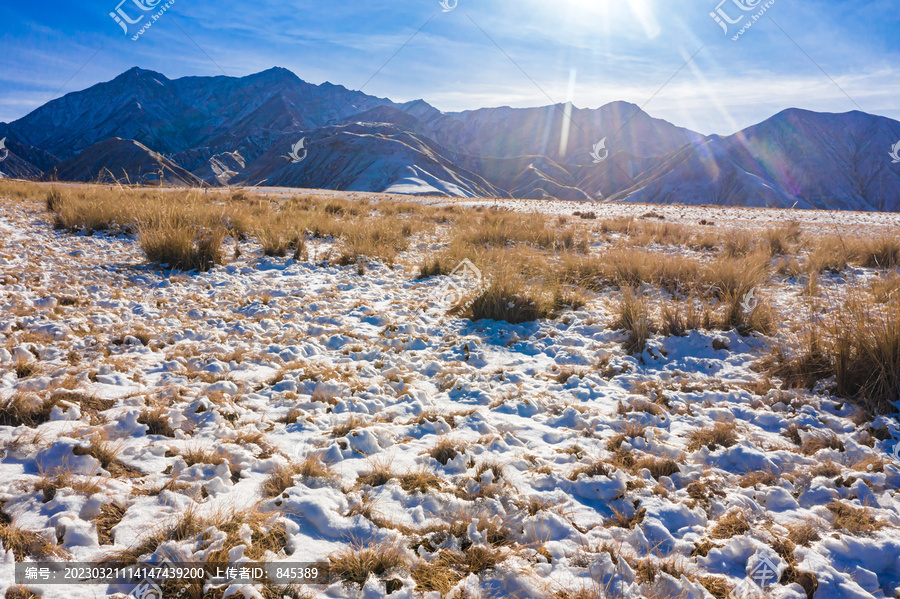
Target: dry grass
pixel 813 445
pixel 446 449
pixel 20 592
pixel 355 563
pixel 858 344
pixel 884 288
pixel 853 520
pixel 110 515
pixel 420 480
pixel 282 477
pixel 719 435
pixel 658 467
pixel 594 468
pixel 26 543
pixel 267 534
pixel 352 423
pixel 200 454
pixel 804 532
pixel 633 317
pixel 499 230
pixel 186 230
pixel 507 298
pixel 866 353
pixel 379 238
pixel 631 268
pixel 313 466
pixel 107 454
pixel 25 409
pixel 473 560
pixel 157 422
pixel 378 474
pixel 622 520
pixel 434 576
pixel 731 524
pixel 51 482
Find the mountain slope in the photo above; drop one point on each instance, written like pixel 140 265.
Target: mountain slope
pixel 369 157
pixel 797 157
pixel 124 161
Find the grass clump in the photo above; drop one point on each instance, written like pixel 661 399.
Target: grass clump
pixel 509 299
pixel 157 422
pixel 358 561
pixel 853 520
pixel 183 247
pixel 658 467
pixel 446 449
pixel 434 576
pixel 858 344
pixel 633 316
pixel 282 477
pixel 721 434
pixel 110 515
pixel 378 474
pixel 730 525
pixel 107 454
pixel 25 410
pixel 26 543
pixel 420 480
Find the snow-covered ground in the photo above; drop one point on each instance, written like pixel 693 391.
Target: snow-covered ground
pixel 292 350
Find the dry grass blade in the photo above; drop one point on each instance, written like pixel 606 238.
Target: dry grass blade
pixel 355 563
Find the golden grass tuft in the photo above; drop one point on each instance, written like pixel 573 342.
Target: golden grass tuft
pixel 26 543
pixel 378 474
pixel 633 316
pixel 434 576
pixel 110 515
pixel 853 520
pixel 420 480
pixel 446 449
pixel 23 409
pixel 355 563
pixel 730 525
pixel 282 477
pixel 157 422
pixel 721 434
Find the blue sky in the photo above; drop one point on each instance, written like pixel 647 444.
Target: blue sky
pixel 831 56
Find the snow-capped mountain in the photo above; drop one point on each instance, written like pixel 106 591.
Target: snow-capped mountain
pixel 813 160
pixel 227 131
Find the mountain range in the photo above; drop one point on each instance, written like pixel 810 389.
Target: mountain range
pixel 142 127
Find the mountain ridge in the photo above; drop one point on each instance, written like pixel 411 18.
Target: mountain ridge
pixel 224 130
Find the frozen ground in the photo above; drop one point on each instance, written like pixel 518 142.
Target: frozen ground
pixel 292 350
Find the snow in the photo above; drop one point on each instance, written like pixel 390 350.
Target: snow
pixel 379 349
